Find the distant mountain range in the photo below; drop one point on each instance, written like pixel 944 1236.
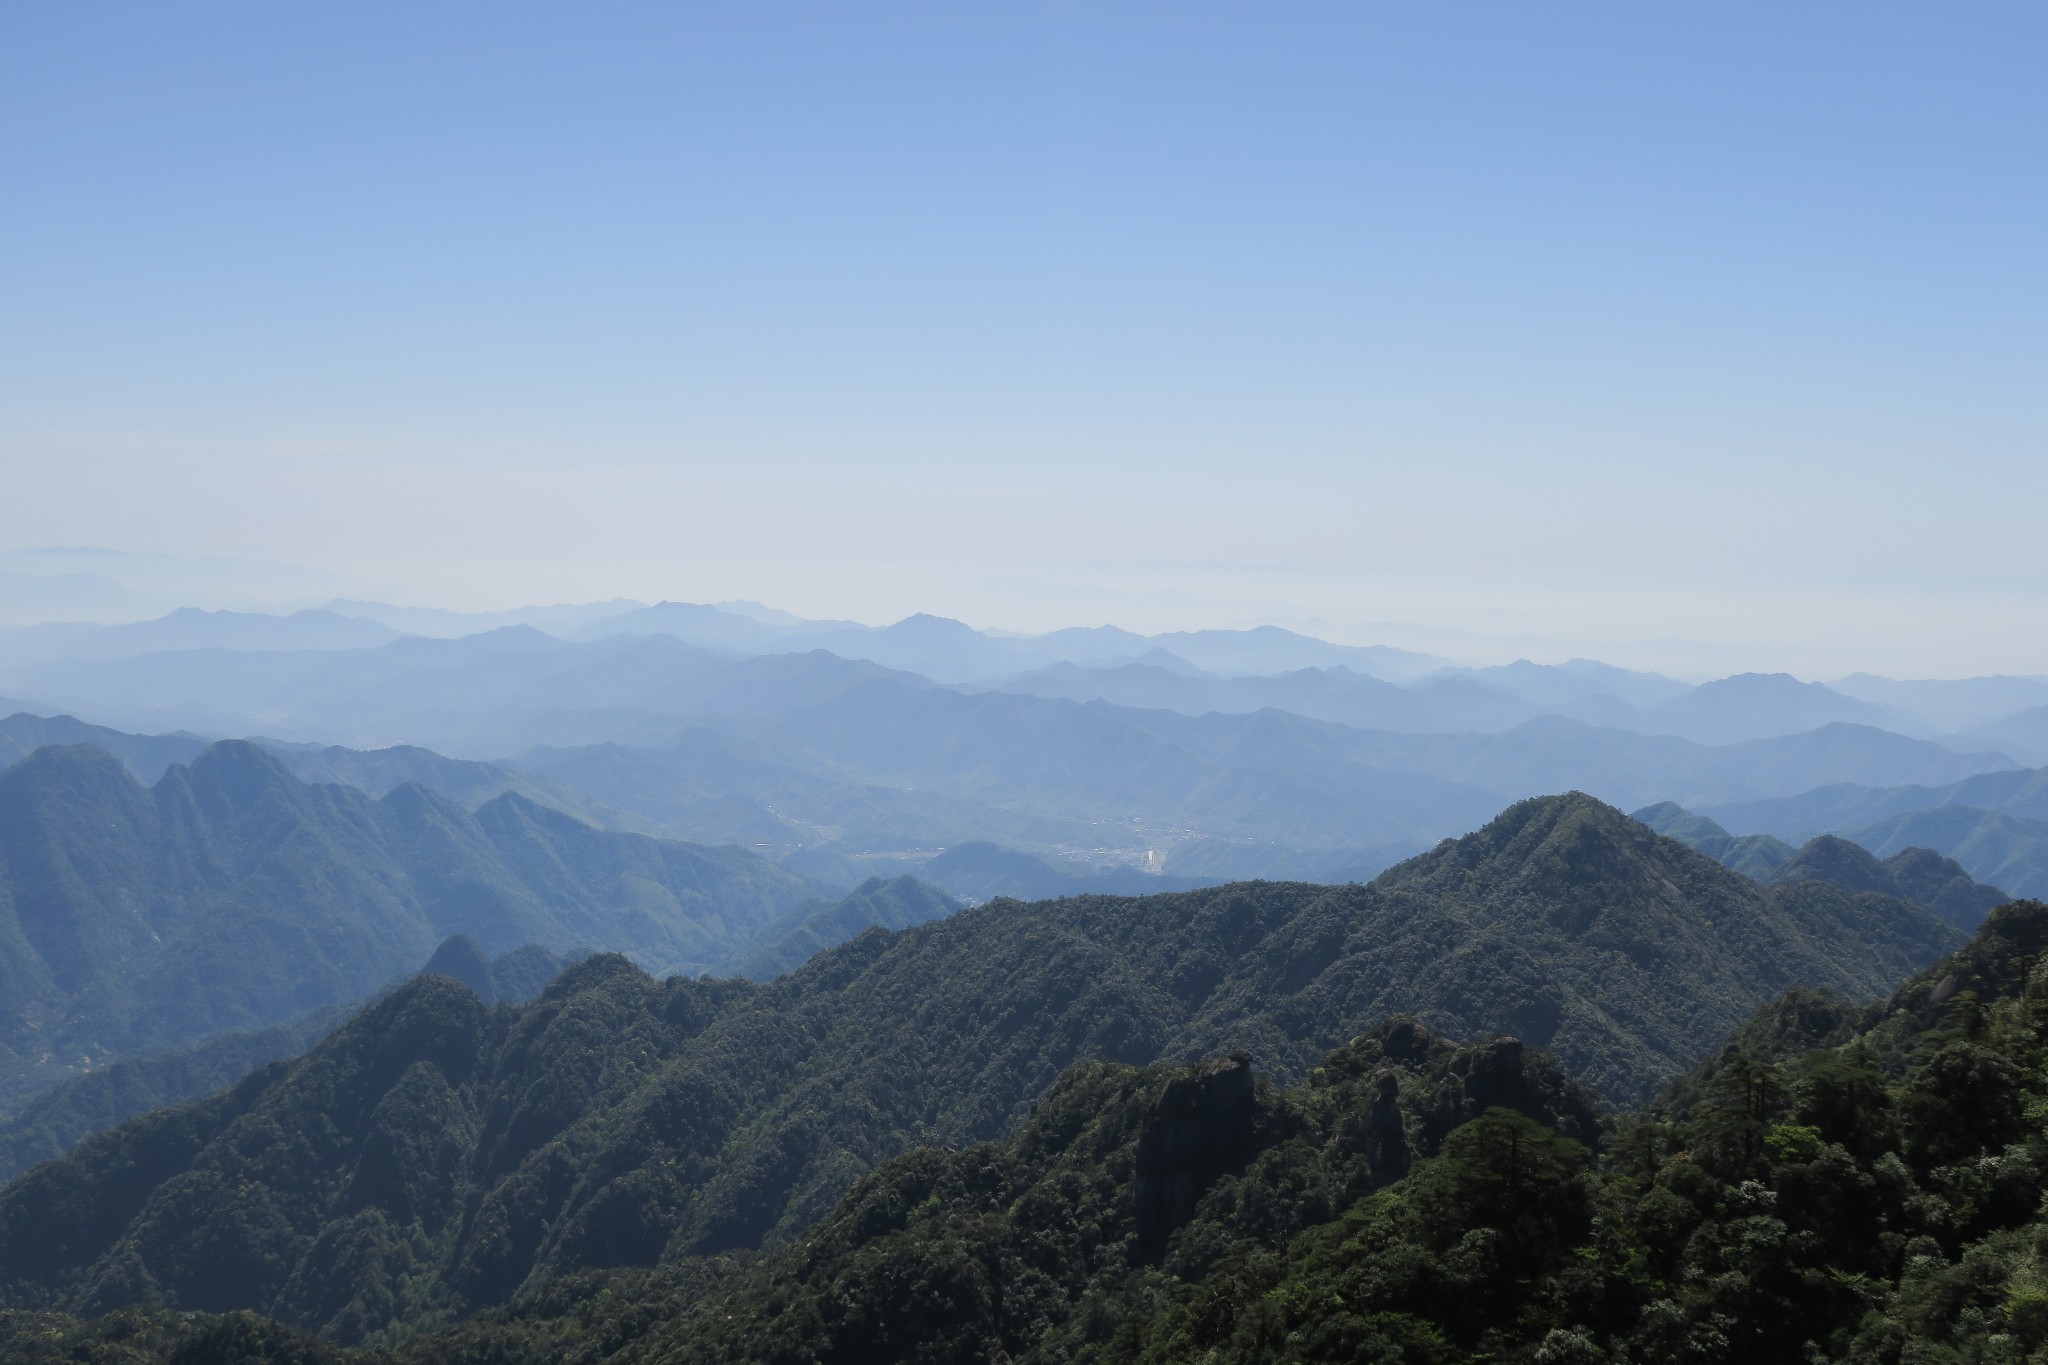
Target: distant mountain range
pixel 817 759
pixel 846 751
pixel 1916 873
pixel 45 661
pixel 1994 824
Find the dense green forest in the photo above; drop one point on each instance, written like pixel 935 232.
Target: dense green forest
pixel 1836 1183
pixel 441 1155
pixel 96 1100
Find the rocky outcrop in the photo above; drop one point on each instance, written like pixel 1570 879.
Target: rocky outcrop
pixel 1203 1127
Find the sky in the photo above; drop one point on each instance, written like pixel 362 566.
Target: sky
pixel 1689 337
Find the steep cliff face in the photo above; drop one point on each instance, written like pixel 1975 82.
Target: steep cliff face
pixel 1202 1128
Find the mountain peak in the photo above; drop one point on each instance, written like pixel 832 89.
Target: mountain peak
pixel 1829 858
pixel 924 625
pixel 461 958
pixel 239 773
pixel 81 758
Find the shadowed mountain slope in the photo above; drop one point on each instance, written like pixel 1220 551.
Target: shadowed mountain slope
pixel 91 1103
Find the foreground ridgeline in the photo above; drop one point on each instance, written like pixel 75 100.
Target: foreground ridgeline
pixel 1838 1183
pixel 439 1156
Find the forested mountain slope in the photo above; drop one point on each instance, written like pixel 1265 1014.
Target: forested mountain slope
pixel 1836 1185
pixel 230 895
pixel 49 1123
pixel 467 1152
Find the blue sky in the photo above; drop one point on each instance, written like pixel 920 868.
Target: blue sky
pixel 1690 336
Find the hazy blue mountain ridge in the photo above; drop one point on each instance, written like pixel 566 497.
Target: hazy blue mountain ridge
pixel 2021 792
pixel 146 756
pixel 2024 734
pixel 1953 706
pixel 1994 846
pixel 1995 823
pixel 1267 793
pixel 190 628
pixel 232 896
pixel 1915 873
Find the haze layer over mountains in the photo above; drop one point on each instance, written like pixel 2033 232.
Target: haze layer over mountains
pixel 843 750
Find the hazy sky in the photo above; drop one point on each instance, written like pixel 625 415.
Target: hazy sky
pixel 1695 336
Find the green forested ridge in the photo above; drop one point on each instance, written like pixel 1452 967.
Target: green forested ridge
pixel 1837 1183
pixel 232 896
pixel 620 1120
pixel 95 1101
pixel 1871 1196
pixel 1941 886
pixel 1756 856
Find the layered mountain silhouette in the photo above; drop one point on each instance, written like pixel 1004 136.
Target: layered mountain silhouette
pixel 1941 886
pixel 230 895
pixel 191 628
pixel 2021 792
pixel 465 1152
pixel 883 765
pixel 146 756
pixel 2025 734
pixel 1995 824
pixel 1209 755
